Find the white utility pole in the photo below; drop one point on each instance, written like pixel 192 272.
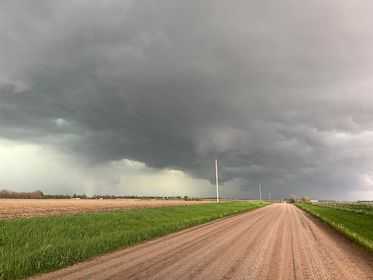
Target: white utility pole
pixel 260 191
pixel 269 196
pixel 217 180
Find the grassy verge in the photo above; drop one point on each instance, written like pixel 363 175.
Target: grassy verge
pixel 35 245
pixel 358 226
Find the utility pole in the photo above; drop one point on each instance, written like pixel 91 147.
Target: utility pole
pixel 260 191
pixel 217 180
pixel 269 196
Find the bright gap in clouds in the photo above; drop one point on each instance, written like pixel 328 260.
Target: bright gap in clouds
pixel 30 167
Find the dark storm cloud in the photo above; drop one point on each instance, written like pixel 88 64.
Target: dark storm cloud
pixel 280 91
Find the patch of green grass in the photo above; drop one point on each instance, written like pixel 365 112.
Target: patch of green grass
pixel 356 225
pixel 35 245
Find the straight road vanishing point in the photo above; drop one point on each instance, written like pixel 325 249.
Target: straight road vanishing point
pixel 275 242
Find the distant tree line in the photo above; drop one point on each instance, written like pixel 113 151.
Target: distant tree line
pixel 10 194
pixel 31 195
pixel 41 195
pixel 294 199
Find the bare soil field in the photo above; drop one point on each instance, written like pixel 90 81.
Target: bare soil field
pixel 276 242
pixel 13 208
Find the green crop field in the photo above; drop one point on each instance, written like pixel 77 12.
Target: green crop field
pixel 35 245
pixel 356 222
pixel 357 207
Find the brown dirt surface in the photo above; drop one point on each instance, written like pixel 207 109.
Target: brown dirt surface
pixel 15 208
pixel 276 242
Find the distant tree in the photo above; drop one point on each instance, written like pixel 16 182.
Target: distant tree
pixel 305 199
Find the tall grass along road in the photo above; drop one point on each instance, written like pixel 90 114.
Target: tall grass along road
pixel 353 220
pixel 275 242
pixel 34 245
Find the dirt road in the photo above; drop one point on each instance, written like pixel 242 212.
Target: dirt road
pixel 276 242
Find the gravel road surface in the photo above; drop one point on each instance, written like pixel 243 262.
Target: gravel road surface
pixel 276 242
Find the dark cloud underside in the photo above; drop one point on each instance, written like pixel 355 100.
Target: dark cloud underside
pixel 280 91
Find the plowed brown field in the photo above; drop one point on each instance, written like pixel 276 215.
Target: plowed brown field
pixel 12 208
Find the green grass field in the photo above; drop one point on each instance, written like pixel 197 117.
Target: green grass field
pixel 357 207
pixel 352 222
pixel 35 245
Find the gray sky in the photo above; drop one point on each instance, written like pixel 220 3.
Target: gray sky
pixel 139 97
